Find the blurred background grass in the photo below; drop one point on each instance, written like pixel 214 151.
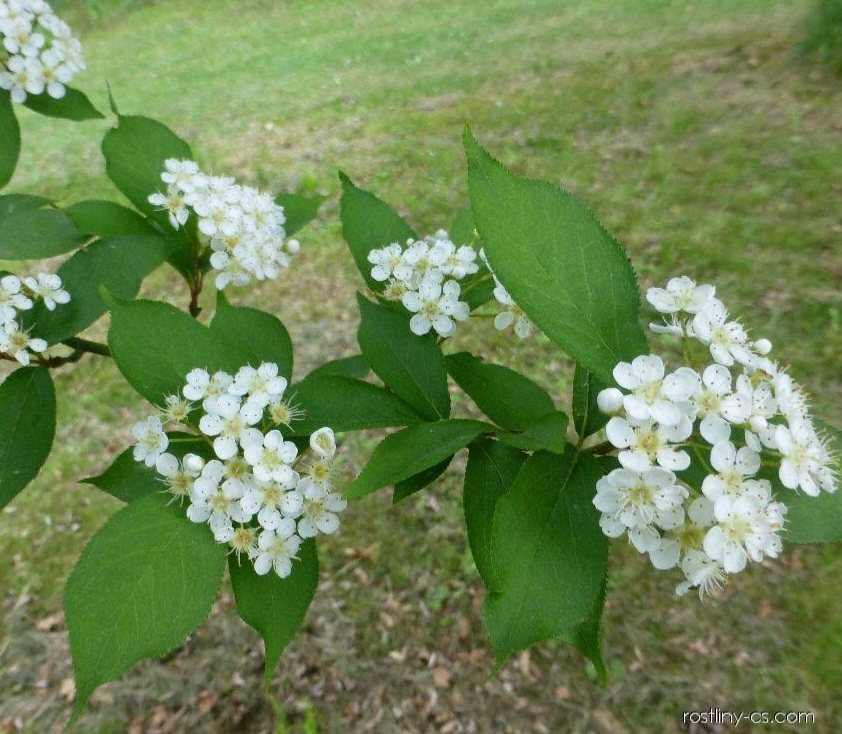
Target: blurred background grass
pixel 693 135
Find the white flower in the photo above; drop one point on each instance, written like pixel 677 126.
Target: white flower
pixel 511 315
pixel 181 174
pixel 179 476
pixel 452 261
pixel 176 409
pixel 646 444
pixel 673 326
pixel 271 459
pixel 173 203
pixel 415 267
pixel 15 342
pixel 231 423
pixel 734 467
pixel 323 443
pixel 435 307
pixel 727 340
pixel 791 400
pixel 262 385
pixel 151 440
pixel 217 502
pixel 318 514
pixel 718 406
pixel 703 572
pixel 275 506
pixel 198 381
pixel 745 529
pixel 276 551
pixel 681 294
pixel 655 397
pixel 56 73
pixel 11 298
pixel 635 500
pixel 282 413
pixel 385 261
pixel 48 287
pixel 24 77
pixel 806 462
pixel 244 541
pixel 201 386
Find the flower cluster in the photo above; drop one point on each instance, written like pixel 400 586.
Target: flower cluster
pixel 725 420
pixel 257 493
pixel 43 54
pixel 425 276
pixel 16 296
pixel 243 227
pixel 512 314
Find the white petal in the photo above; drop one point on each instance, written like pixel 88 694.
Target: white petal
pixel 167 465
pixel 723 455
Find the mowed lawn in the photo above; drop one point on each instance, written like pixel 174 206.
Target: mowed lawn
pixel 687 130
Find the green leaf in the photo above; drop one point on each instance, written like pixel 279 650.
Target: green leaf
pixel 144 582
pixel 346 404
pixel 34 234
pixel 404 454
pixel 815 519
pixel 118 263
pixel 11 203
pixel 9 138
pixel 107 219
pixel 547 433
pixel 273 606
pixel 129 480
pixel 550 556
pixel 462 229
pixel 416 483
pixel 492 467
pixel 367 224
pixel 353 366
pixel 411 365
pixel 508 398
pixel 299 210
pixel 559 264
pixel 258 335
pixel 585 635
pixel 73 106
pixel 155 345
pixel 587 417
pixel 135 152
pixel 27 428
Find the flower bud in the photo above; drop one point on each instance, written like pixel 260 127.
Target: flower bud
pixel 610 400
pixel 193 463
pixel 758 423
pixel 763 346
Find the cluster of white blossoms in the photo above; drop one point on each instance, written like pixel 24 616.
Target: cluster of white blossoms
pixel 257 494
pixel 723 421
pixel 243 226
pixel 16 296
pixel 41 53
pixel 424 276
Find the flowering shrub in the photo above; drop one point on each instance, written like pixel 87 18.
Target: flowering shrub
pixel 704 467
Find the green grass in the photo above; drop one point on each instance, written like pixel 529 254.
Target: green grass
pixel 685 129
